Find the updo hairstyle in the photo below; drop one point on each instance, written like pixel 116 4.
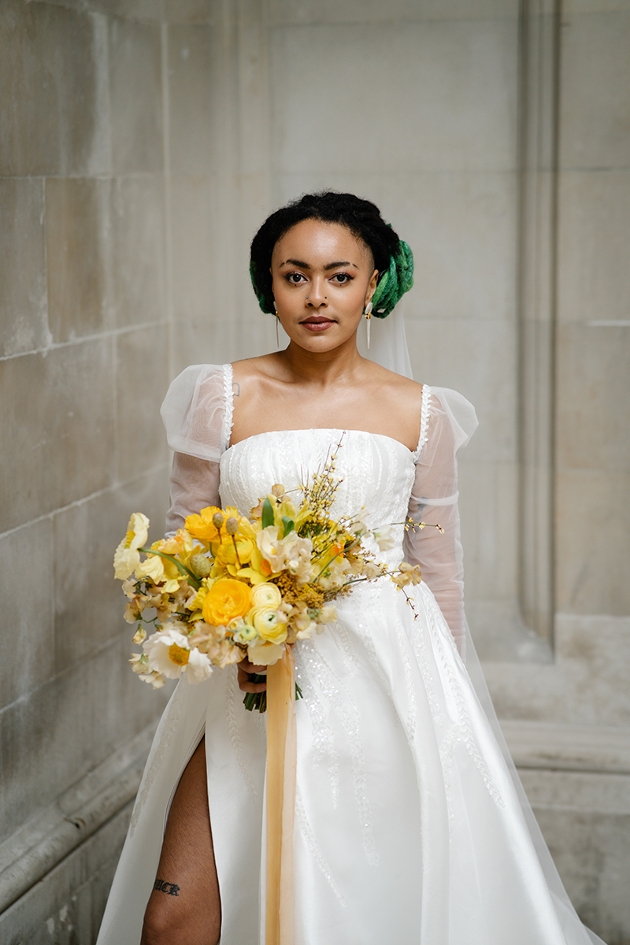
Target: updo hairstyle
pixel 392 256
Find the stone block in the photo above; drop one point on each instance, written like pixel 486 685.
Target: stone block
pixel 590 850
pixel 142 381
pixel 195 235
pixel 53 109
pixel 477 357
pixel 66 907
pixel 77 213
pixel 26 591
pixel 59 431
pixel 573 7
pixel 22 267
pixel 88 601
pixel 137 250
pixel 190 11
pixel 593 409
pixel 136 96
pixel 462 229
pixel 593 542
pixel 586 683
pixel 282 12
pixel 595 84
pixel 593 239
pixel 190 100
pixel 96 705
pixel 452 106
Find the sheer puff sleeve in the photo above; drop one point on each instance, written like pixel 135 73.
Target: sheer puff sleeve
pixel 197 415
pixel 448 422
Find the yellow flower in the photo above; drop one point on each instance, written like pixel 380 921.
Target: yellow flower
pixel 126 556
pixel 269 625
pixel 266 595
pixel 225 600
pixel 202 526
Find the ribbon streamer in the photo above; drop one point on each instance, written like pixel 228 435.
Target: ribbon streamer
pixel 281 767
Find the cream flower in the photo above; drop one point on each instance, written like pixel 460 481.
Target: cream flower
pixel 126 556
pixel 384 538
pixel 291 553
pixel 264 654
pixel 266 595
pixel 169 653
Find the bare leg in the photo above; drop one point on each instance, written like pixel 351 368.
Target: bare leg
pixel 185 905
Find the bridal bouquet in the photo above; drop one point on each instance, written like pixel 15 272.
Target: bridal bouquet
pixel 226 587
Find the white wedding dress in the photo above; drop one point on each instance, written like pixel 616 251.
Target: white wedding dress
pixel 409 827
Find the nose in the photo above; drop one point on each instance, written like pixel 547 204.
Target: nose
pixel 316 297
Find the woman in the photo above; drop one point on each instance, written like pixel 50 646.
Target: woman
pixel 409 828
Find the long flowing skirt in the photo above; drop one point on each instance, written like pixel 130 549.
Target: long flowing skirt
pixel 409 827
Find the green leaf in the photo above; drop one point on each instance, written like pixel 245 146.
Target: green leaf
pixel 288 524
pixel 267 514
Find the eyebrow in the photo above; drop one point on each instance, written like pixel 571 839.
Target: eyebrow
pixel 332 265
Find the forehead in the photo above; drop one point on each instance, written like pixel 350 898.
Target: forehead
pixel 318 242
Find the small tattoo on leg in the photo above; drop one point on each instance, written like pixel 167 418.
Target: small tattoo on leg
pixel 169 888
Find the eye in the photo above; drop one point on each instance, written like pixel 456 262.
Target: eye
pixel 295 278
pixel 342 278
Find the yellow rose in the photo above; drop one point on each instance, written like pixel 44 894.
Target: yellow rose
pixel 266 595
pixel 225 600
pixel 268 624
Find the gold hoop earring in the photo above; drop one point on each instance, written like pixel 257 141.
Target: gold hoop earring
pixel 368 318
pixel 277 321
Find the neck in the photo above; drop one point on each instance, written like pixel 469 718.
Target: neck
pixel 322 367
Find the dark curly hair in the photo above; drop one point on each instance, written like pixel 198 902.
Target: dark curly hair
pixel 392 256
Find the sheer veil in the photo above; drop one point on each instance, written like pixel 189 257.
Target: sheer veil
pixel 389 348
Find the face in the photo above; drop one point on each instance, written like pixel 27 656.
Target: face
pixel 322 278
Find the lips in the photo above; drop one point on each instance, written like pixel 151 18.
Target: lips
pixel 317 323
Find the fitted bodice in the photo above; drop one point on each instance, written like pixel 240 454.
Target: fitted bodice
pixel 376 473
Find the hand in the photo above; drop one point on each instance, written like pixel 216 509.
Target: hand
pixel 245 669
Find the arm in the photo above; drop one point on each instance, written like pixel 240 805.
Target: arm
pixel 194 485
pixel 434 501
pixel 197 416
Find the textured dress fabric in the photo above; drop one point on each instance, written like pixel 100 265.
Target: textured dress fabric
pixel 409 828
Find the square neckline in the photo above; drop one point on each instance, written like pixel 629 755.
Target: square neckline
pixel 228 420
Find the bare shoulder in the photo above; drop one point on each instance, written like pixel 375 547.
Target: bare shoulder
pixel 264 367
pixel 395 384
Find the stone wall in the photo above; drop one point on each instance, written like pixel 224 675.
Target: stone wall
pixel 141 142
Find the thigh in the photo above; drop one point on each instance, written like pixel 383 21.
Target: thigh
pixel 185 906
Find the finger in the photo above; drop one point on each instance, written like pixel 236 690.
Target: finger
pixel 246 684
pixel 251 667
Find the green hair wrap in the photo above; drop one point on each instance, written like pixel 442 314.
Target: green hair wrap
pixel 393 282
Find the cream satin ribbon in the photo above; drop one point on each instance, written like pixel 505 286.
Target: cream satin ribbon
pixel 281 766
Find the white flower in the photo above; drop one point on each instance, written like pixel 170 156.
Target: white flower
pixel 126 557
pixel 384 538
pixel 169 654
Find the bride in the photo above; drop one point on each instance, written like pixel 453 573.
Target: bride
pixel 410 824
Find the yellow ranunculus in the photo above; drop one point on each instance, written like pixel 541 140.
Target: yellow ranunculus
pixel 268 624
pixel 266 595
pixel 225 600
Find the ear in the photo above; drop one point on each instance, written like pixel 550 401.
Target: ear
pixel 371 289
